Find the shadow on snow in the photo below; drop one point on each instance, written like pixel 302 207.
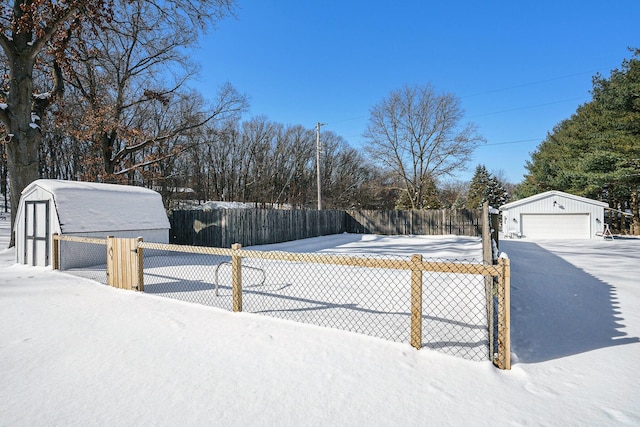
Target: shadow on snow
pixel 564 311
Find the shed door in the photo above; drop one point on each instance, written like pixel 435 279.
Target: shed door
pixel 556 226
pixel 36 230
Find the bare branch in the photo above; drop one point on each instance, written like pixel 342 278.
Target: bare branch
pixel 149 162
pixel 415 132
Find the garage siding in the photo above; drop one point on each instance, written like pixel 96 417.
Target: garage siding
pixel 553 215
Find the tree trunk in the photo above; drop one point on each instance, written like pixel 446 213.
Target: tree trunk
pixel 618 222
pixel 635 212
pixel 22 162
pixel 22 149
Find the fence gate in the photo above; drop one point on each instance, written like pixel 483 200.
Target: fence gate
pixel 124 263
pixel 36 233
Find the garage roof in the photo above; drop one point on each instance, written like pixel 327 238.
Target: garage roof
pixel 547 194
pixel 90 206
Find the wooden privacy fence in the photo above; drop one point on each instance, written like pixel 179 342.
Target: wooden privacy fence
pixel 223 227
pixel 125 270
pixel 249 227
pixel 460 222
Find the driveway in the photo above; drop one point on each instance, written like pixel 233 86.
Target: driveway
pixel 569 297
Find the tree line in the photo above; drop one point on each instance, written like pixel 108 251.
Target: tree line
pixel 258 161
pixel 98 90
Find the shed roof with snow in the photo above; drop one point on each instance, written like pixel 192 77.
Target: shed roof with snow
pixel 94 207
pixel 553 215
pixel 85 209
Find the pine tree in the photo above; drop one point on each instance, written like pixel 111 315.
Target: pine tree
pixel 495 193
pixel 485 187
pixel 479 182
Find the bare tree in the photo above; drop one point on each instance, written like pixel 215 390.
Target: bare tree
pixel 33 36
pixel 292 153
pixel 214 165
pixel 272 163
pixel 255 166
pixel 39 40
pixel 268 163
pixel 122 81
pixel 417 133
pixel 344 173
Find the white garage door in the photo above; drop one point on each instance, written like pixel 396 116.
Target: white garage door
pixel 556 226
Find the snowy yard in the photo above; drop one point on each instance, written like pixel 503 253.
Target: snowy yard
pixel 74 353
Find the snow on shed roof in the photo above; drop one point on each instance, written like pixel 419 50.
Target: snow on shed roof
pixel 90 206
pixel 549 194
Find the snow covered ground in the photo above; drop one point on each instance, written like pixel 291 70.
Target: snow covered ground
pixel 76 353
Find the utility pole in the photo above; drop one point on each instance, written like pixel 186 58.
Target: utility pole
pixel 318 164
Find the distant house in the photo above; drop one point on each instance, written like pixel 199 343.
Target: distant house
pixel 84 209
pixel 553 215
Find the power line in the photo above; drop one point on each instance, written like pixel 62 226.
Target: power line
pixel 507 110
pixel 553 79
pixel 497 112
pixel 526 107
pixel 538 82
pixel 511 142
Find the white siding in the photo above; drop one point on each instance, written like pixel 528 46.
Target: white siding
pixel 566 216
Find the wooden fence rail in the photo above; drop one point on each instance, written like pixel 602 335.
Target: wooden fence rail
pixel 123 259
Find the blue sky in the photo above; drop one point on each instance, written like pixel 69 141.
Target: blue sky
pixel 519 68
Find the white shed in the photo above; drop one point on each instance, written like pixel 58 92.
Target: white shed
pixel 553 215
pixel 84 209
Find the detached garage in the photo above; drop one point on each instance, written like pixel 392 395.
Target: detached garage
pixel 84 209
pixel 553 215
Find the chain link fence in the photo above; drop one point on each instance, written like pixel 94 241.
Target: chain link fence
pixel 186 276
pixel 81 256
pixel 453 306
pixel 371 295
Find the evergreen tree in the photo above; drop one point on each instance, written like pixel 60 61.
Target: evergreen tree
pixel 485 187
pixel 495 193
pixel 479 182
pixel 595 152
